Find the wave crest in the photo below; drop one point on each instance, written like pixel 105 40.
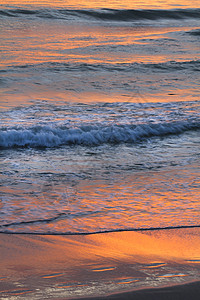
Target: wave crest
pixel 169 66
pixel 104 14
pixel 91 135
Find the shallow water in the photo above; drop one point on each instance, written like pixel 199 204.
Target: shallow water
pixel 99 116
pixel 100 264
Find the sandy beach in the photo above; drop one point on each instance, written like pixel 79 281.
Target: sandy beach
pixel 187 291
pixel 161 264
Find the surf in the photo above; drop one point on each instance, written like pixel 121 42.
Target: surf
pixel 89 135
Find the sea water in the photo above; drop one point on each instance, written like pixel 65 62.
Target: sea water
pixel 100 115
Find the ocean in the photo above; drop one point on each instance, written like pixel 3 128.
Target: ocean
pixel 100 116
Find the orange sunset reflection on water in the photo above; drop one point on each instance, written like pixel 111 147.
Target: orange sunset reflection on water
pixel 135 202
pixel 110 261
pixel 108 52
pixel 177 245
pixel 116 4
pixel 77 46
pixel 143 200
pixel 100 146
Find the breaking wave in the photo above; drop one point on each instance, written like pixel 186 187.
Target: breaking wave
pixel 89 135
pixel 104 14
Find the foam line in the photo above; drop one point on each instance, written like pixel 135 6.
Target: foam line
pixel 90 135
pixel 104 231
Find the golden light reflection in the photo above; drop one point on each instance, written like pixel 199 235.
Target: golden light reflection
pixel 104 251
pixel 65 46
pixel 140 200
pixel 49 94
pixel 83 44
pixel 92 262
pixel 115 4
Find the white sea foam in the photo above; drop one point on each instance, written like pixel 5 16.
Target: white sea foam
pixel 92 135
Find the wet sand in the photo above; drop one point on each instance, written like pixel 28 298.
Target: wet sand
pixel 161 264
pixel 178 292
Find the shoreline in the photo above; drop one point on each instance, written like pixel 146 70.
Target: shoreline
pixel 115 265
pixel 99 232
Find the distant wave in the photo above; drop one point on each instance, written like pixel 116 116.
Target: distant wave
pixel 193 65
pixel 90 135
pixel 194 32
pixel 104 14
pixel 128 67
